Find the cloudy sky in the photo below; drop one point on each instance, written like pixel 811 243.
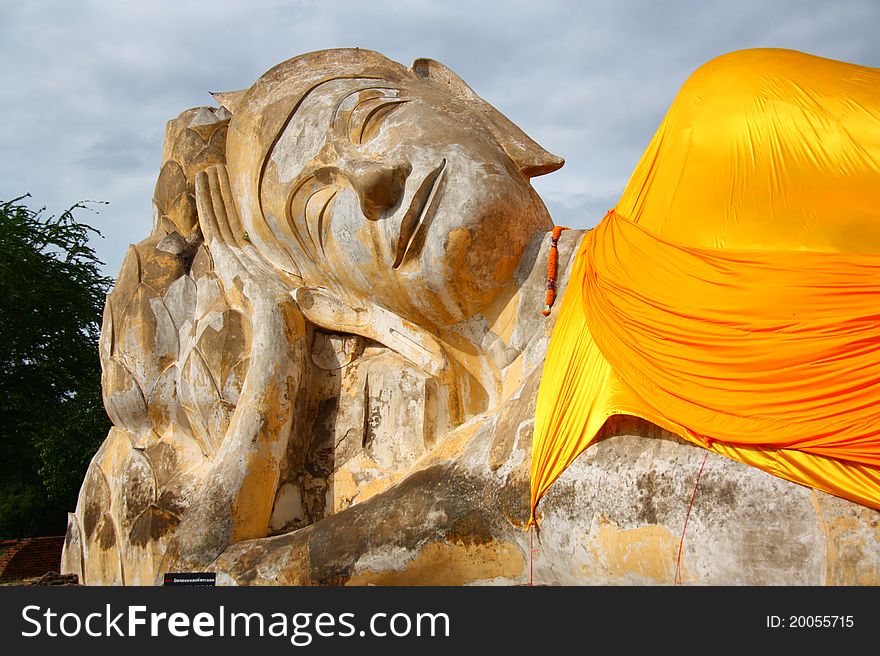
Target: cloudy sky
pixel 89 85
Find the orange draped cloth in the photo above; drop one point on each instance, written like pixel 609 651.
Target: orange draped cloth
pixel 733 296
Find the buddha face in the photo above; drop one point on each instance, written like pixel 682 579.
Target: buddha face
pixel 391 188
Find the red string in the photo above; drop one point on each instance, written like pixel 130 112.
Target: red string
pixel 532 552
pixel 531 555
pixel 677 579
pixel 552 263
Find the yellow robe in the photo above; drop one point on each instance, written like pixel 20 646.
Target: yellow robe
pixel 733 295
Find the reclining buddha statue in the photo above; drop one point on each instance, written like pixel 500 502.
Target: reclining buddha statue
pixel 355 349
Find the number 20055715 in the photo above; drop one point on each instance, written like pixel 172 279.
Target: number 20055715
pixel 810 621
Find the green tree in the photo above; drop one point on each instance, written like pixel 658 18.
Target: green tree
pixel 52 418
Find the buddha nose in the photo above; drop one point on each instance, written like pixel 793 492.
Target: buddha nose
pixel 379 185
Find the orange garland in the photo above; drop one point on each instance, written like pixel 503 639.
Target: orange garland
pixel 552 259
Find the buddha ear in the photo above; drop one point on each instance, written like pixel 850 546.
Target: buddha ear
pixel 327 310
pixel 531 159
pixel 230 100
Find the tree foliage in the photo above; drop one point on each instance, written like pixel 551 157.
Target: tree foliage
pixel 52 418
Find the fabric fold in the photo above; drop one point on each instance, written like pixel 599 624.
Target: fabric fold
pixel 733 295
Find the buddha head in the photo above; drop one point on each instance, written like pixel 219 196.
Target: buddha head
pixel 370 180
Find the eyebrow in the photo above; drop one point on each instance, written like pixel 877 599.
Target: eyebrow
pixel 356 91
pixel 265 163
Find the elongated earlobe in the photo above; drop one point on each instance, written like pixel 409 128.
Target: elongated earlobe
pixel 328 311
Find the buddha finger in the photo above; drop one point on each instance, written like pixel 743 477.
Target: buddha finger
pixel 236 229
pixel 220 210
pixel 205 209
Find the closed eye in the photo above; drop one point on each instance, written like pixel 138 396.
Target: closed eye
pixel 369 115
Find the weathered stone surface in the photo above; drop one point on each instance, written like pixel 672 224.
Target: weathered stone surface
pixel 322 368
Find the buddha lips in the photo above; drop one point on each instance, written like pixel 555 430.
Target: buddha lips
pixel 552 263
